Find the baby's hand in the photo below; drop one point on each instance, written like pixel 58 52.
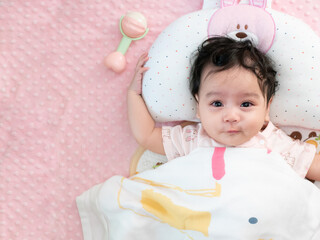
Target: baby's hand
pixel 136 83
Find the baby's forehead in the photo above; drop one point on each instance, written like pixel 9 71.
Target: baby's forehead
pixel 210 71
pixel 236 80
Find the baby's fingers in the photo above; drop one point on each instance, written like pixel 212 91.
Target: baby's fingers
pixel 143 69
pixel 139 74
pixel 142 60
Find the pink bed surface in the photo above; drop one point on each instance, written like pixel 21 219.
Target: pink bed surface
pixel 63 123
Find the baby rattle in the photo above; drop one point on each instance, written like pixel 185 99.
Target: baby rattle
pixel 133 26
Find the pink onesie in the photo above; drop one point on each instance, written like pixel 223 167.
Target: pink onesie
pixel 178 141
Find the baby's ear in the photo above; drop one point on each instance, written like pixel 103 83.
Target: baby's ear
pixel 197 100
pixel 269 103
pixel 267 117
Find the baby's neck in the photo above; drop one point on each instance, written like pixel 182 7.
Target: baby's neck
pixel 264 126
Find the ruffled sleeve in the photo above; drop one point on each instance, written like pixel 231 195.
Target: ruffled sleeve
pixel 299 155
pixel 178 141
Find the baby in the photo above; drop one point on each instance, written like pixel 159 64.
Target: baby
pixel 233 84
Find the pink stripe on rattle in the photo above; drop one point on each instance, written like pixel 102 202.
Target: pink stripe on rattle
pixel 218 165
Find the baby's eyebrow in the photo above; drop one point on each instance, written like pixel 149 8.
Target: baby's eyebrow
pixel 212 93
pixel 219 94
pixel 253 95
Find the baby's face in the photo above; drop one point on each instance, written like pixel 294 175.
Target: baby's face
pixel 231 106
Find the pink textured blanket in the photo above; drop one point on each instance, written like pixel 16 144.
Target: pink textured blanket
pixel 63 124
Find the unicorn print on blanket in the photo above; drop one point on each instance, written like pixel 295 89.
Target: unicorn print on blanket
pixel 183 199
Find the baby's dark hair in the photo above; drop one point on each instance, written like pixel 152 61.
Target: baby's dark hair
pixel 225 53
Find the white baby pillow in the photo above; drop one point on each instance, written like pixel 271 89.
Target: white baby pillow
pixel 292 44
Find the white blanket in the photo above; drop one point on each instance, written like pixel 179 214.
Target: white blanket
pixel 213 193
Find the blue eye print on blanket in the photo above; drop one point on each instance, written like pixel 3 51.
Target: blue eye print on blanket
pixel 253 220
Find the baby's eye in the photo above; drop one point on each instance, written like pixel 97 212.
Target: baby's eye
pixel 217 104
pixel 246 104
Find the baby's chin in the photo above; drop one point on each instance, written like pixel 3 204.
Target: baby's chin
pixel 231 139
pixel 232 145
pixel 232 142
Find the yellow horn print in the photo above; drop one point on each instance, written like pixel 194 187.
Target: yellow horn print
pixel 176 216
pixel 313 142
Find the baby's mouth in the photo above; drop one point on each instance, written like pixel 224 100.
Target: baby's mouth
pixel 233 131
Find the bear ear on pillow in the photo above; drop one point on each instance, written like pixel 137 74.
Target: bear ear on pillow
pixel 292 44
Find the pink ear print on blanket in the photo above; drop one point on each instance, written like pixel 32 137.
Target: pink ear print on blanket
pixel 217 163
pixel 242 22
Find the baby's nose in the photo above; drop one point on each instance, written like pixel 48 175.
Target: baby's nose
pixel 231 116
